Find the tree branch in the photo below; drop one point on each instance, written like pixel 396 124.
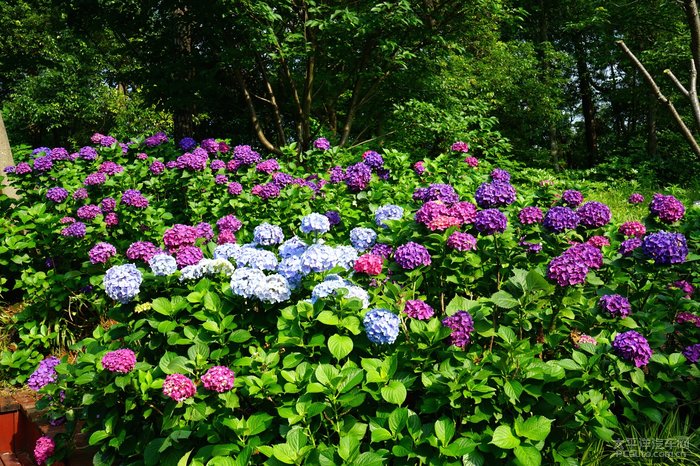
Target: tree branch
pixel 253 116
pixel 662 98
pixel 678 84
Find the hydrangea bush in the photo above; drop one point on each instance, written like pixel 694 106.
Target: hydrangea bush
pixel 225 307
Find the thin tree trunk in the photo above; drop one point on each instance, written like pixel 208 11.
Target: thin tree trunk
pixel 184 109
pixel 587 104
pixel 652 139
pixel 254 116
pixel 6 160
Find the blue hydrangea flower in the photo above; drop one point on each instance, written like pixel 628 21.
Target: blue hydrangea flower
pixel 382 326
pixel 362 238
pixel 122 282
pixel 267 234
pixel 345 257
pixel 317 258
pixel 257 259
pixel 315 223
pixel 246 282
pixel 275 289
pixel 387 212
pixel 332 283
pixel 290 268
pixel 163 265
pixel 227 251
pixel 294 246
pixel 191 272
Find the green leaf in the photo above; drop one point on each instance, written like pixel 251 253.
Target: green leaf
pixel 394 392
pixel 183 460
pixel 162 306
pixel 506 333
pixel 527 455
pixel 397 419
pixel 221 461
pixel 97 437
pixel 444 430
pixel 458 303
pixel 653 414
pixel 349 447
pixel 637 377
pixel 503 438
pixel 513 389
pixel 535 281
pixel 379 434
pixel 328 318
pixel 368 458
pixel 284 452
pixel 340 346
pixel 537 428
pixel 171 363
pixel 459 447
pixel 504 300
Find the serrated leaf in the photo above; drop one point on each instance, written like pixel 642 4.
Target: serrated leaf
pixel 513 389
pixel 444 430
pixel 503 438
pixel 162 306
pixel 458 303
pixel 340 346
pixel 380 434
pixel 97 437
pixel 459 447
pixel 537 428
pixel 397 419
pixel 535 281
pixel 506 333
pixel 527 455
pixel 504 300
pixel 284 453
pixel 369 458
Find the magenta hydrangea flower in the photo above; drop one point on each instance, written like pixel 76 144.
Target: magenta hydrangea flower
pixel 57 194
pixel 692 353
pixel 668 209
pixel 229 222
pixel 235 188
pixel 567 270
pixel 499 174
pixel 460 146
pixel 684 317
pixel 463 211
pixel 121 361
pixel 369 263
pixel 80 194
pixel 418 309
pixel 88 212
pixel 179 236
pixel 178 387
pixel 157 167
pixel 635 198
pixel 111 219
pixel 226 236
pixel 101 253
pixel 685 287
pixel 245 155
pixel 74 230
pixel 419 167
pixel 530 215
pixel 616 305
pixel 110 168
pixel 143 250
pixel 134 198
pixel 632 229
pixel 472 162
pixel 217 164
pixel 462 326
pixel 633 347
pixel 95 179
pixel 322 144
pixel 108 204
pixel 598 241
pixel 43 449
pixel 412 255
pixel 268 166
pixel 586 339
pixel 218 379
pixel 461 241
pixel 266 191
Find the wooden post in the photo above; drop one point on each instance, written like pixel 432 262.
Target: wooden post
pixel 6 160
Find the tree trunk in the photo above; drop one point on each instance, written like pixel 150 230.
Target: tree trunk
pixel 587 104
pixel 652 140
pixel 6 160
pixel 183 109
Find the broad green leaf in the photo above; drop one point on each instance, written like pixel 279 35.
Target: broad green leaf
pixel 444 430
pixel 513 389
pixel 506 333
pixel 504 300
pixel 340 346
pixel 369 458
pixel 528 455
pixel 162 306
pixel 285 453
pixel 537 428
pixel 503 438
pixel 397 419
pixel 394 392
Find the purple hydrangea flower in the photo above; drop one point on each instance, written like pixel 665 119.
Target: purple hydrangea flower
pixel 633 347
pixel 668 209
pixel 498 174
pixel 108 204
pixel 217 164
pixel 157 167
pixel 42 150
pixel 461 241
pixel 629 245
pixel 463 211
pixel 121 361
pixel 74 230
pixel 188 255
pixel 88 212
pixel 567 270
pixel 665 248
pixel 218 379
pixel 530 248
pixel 180 235
pixel 419 167
pixel 205 231
pixel 209 145
pixel 684 317
pixel 382 326
pixel 382 250
pixel 530 215
pixel 587 254
pixel 692 352
pixel 178 387
pixel 266 191
pixel 333 217
pixel 460 146
pixel 44 374
pixel 134 198
pixel 559 219
pixel 616 305
pixel 572 198
pixel 268 166
pixel 101 253
pixel 57 194
pixel 411 255
pixel 495 194
pixel 59 153
pixel 418 309
pixel 373 159
pixel 245 155
pixel 594 214
pixel 337 174
pixel 95 179
pixel 685 287
pixel 440 192
pixel 358 176
pixel 87 153
pixel 23 168
pixel 110 168
pixel 156 140
pixel 43 164
pixel 187 144
pixel 235 188
pixel 462 326
pixel 490 221
pixel 322 144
